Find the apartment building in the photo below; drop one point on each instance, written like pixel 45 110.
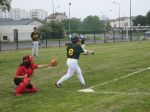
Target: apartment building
pixel 38 14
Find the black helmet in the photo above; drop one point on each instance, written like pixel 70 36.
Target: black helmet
pixel 75 39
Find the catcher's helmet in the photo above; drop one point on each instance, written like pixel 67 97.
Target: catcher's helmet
pixel 28 58
pixel 75 39
pixel 25 58
pixel 26 61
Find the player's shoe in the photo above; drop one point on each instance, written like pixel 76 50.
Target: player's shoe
pixel 58 85
pixel 92 52
pixel 84 86
pixel 85 53
pixel 17 94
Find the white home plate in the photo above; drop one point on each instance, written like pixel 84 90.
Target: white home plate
pixel 86 90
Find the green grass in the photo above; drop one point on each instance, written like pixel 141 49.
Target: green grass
pixel 109 62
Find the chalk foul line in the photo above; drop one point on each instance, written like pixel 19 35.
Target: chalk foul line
pixel 90 89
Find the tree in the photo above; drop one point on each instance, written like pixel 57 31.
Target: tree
pixel 57 29
pixel 107 26
pixel 139 20
pixel 53 30
pixel 148 18
pixel 65 24
pixel 75 24
pixel 5 5
pixel 92 23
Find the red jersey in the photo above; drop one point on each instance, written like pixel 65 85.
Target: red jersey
pixel 23 70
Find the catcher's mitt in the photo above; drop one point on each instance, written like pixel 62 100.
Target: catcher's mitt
pixel 53 62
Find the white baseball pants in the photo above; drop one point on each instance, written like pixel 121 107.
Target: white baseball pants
pixel 35 48
pixel 72 67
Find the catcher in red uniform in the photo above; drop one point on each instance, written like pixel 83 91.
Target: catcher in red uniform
pixel 23 73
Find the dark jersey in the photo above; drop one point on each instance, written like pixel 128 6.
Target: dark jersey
pixel 35 36
pixel 73 51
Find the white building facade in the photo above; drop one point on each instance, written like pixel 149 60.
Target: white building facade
pixel 57 17
pixel 5 14
pixel 123 22
pixel 38 13
pixel 18 14
pixel 24 31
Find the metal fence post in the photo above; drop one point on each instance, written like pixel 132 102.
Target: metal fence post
pixel 46 38
pixel 16 37
pixel 144 35
pixel 59 41
pixel 0 42
pixel 138 35
pixel 114 36
pixel 130 35
pixel 122 35
pixel 105 41
pixel 94 38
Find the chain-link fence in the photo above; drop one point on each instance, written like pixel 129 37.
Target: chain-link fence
pixel 93 38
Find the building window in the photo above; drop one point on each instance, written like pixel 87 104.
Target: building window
pixel 5 38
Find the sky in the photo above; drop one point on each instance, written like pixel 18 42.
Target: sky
pixel 83 8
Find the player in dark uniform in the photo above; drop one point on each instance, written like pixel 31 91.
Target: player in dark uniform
pixel 23 73
pixel 73 53
pixel 35 35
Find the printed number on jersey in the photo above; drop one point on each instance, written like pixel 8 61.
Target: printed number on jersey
pixel 71 51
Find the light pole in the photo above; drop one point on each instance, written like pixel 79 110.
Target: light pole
pixel 130 14
pixel 53 9
pixel 119 11
pixel 107 23
pixel 130 23
pixel 56 8
pixel 69 18
pixel 108 12
pixel 102 15
pixel 56 12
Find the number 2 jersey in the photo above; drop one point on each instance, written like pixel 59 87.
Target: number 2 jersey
pixel 74 50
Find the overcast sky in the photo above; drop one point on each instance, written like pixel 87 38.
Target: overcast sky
pixel 84 8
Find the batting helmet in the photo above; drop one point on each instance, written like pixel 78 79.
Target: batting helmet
pixel 75 39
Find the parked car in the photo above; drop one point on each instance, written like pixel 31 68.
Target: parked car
pixel 77 34
pixel 147 34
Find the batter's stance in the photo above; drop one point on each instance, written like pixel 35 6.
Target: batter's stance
pixel 73 52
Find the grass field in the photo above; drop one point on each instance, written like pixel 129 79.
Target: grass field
pixel 111 63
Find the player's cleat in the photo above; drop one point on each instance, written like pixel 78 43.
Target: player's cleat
pixel 92 52
pixel 34 89
pixel 17 94
pixel 58 85
pixel 85 53
pixel 83 86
